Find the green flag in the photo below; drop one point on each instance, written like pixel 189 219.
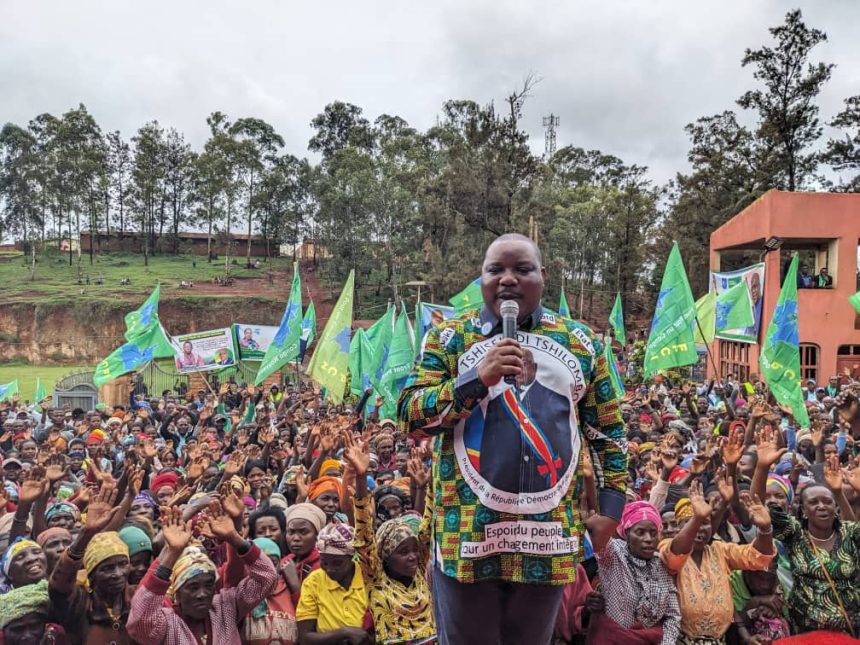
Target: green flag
pixel 285 345
pixel 705 314
pixel 614 374
pixel 8 390
pixel 469 298
pixel 734 308
pixel 855 301
pixel 150 344
pixel 361 363
pixel 563 309
pixel 379 336
pixel 329 364
pixel 309 330
pixel 41 391
pixel 779 359
pixel 616 319
pixel 670 341
pixel 140 319
pixel 397 366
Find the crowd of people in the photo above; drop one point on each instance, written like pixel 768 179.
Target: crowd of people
pixel 707 515
pixel 197 521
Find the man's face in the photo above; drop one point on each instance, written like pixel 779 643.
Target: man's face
pixel 512 271
pixel 529 369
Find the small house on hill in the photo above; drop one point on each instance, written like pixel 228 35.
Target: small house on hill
pixel 190 243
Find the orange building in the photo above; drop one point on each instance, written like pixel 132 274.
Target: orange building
pixel 824 228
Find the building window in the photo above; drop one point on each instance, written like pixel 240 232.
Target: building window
pixel 734 360
pixel 809 361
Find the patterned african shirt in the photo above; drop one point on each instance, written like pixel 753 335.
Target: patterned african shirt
pixel 506 472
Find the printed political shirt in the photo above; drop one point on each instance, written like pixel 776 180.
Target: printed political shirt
pixel 506 473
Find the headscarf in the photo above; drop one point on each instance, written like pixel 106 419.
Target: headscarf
pixel 647 446
pixel 96 437
pixel 162 480
pixel 136 540
pixel 237 485
pixel 683 509
pixel 328 464
pixel 636 512
pixel 101 547
pixel 193 562
pixel 146 498
pixel 250 502
pixel 309 512
pixel 17 603
pixel 678 473
pixel 782 483
pixel 803 435
pixel 393 533
pixel 62 508
pixel 267 546
pixel 388 492
pixel 14 549
pixel 47 534
pixel 336 539
pixel 325 484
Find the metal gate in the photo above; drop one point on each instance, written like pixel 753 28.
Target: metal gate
pixel 162 376
pixel 76 391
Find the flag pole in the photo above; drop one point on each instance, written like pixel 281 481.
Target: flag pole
pixel 708 349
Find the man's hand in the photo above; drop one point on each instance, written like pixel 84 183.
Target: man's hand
pixel 505 358
pixel 595 603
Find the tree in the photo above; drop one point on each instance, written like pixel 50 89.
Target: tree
pixel 178 167
pixel 788 116
pixel 119 167
pixel 18 182
pixel 148 174
pixel 256 149
pixel 844 154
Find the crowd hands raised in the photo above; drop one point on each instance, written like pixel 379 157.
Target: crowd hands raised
pixel 252 516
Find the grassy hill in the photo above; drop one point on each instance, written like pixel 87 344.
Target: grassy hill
pixel 54 280
pixel 27 375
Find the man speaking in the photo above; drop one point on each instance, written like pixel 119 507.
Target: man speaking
pixel 507 529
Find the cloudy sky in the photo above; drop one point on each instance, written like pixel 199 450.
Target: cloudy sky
pixel 624 76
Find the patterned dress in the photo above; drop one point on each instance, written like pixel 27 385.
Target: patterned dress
pixel 401 613
pixel 811 603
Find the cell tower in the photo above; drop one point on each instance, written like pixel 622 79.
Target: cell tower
pixel 550 122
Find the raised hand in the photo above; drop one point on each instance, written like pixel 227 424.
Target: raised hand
pixel 230 502
pixel 181 495
pixel 699 464
pixel 102 509
pixel 265 436
pixel 669 459
pixel 733 447
pixel 135 480
pixel 220 523
pixel 301 485
pixel 701 508
pixel 196 468
pixel 234 463
pixel 818 427
pixel 848 405
pixel 833 474
pixel 56 468
pixel 35 485
pixel 767 447
pixel 652 472
pixel 326 440
pixel 418 473
pixel 725 485
pixel 759 515
pixel 149 449
pixel 177 534
pixel 357 454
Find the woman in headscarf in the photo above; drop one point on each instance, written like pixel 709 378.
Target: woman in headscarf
pixel 197 612
pixel 304 523
pixel 23 563
pixel 24 617
pixel 274 619
pixel 139 553
pixel 390 501
pixel 54 542
pixel 163 486
pixel 327 493
pixel 144 505
pixel 702 567
pixel 641 601
pixel 63 515
pixel 96 610
pixel 393 563
pixel 333 604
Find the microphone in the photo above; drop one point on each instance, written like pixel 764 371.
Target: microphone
pixel 509 311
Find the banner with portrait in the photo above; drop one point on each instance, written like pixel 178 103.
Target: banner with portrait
pixel 754 276
pixel 252 341
pixel 205 350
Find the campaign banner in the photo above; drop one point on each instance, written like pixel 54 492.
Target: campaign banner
pixel 754 276
pixel 253 340
pixel 205 350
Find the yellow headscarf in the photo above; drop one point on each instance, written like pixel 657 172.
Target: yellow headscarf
pixel 191 563
pixel 683 509
pixel 101 547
